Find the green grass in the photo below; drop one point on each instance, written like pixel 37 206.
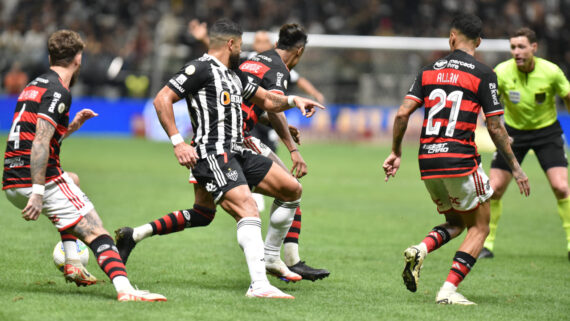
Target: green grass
pixel 354 224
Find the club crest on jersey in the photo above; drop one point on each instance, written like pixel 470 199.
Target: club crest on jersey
pixel 232 174
pixel 440 64
pixel 211 187
pixel 226 98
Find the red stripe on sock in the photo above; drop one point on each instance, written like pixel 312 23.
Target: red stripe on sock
pixel 180 222
pixel 293 235
pixel 296 224
pixel 168 222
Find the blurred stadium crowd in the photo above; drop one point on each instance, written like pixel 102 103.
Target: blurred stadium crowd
pixel 126 39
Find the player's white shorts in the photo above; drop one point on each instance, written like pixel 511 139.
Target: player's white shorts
pixel 251 143
pixel 460 194
pixel 64 202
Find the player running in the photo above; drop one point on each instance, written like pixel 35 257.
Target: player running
pixel 34 180
pixel 271 70
pixel 224 169
pixel 528 86
pixel 454 89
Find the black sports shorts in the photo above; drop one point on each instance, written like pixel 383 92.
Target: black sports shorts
pixel 220 173
pixel 547 143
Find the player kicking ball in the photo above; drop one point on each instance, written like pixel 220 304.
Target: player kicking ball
pixel 454 89
pixel 34 181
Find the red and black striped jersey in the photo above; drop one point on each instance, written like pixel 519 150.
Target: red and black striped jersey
pixel 45 97
pixel 269 71
pixel 453 90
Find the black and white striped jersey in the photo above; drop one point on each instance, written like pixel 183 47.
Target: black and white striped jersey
pixel 214 94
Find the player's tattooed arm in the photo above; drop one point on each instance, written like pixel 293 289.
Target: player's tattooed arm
pixel 501 139
pixel 276 103
pixel 40 151
pixel 38 163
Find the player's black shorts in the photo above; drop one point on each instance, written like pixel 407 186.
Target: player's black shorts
pixel 547 143
pixel 220 173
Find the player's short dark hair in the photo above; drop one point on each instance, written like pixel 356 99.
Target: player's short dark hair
pixel 291 35
pixel 63 46
pixel 468 24
pixel 525 32
pixel 223 29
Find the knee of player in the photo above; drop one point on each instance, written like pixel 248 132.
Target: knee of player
pixel 560 190
pixel 293 193
pixel 199 215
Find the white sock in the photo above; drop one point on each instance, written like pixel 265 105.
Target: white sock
pixel 448 286
pixel 122 284
pixel 423 247
pixel 249 239
pixel 142 232
pixel 259 200
pixel 70 249
pixel 291 253
pixel 281 217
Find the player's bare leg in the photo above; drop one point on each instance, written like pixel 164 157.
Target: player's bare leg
pixel 558 179
pixel 477 224
pixel 291 255
pixel 239 203
pixel 201 214
pixel 90 230
pixel 499 180
pixel 286 190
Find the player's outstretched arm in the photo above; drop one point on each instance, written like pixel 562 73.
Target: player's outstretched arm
pixel 80 118
pixel 500 137
pixel 392 162
pixel 38 164
pixel 163 104
pixel 276 103
pixel 279 123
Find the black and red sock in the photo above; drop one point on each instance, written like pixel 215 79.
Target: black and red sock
pixel 295 229
pixel 436 238
pixel 66 236
pixel 179 220
pixel 462 264
pixel 107 256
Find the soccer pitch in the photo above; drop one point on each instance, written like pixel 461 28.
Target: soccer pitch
pixel 354 224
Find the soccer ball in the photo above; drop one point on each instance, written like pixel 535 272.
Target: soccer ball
pixel 59 254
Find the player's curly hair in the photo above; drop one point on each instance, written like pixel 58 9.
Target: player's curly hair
pixel 291 35
pixel 63 46
pixel 525 32
pixel 468 24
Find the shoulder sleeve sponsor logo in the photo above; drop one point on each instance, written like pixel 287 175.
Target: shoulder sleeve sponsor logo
pixel 181 79
pixel 55 100
pixel 440 64
pixel 494 93
pixel 279 78
pixel 32 93
pixel 254 67
pixel 177 86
